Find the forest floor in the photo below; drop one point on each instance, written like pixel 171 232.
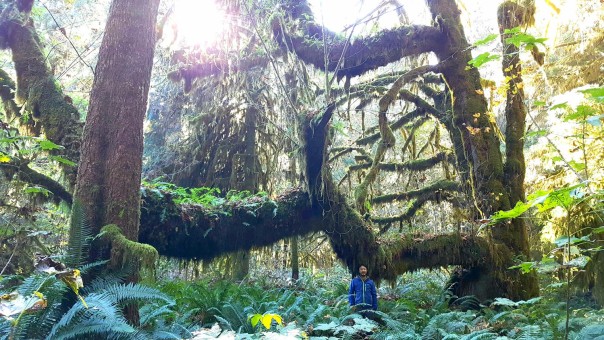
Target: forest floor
pixel 415 307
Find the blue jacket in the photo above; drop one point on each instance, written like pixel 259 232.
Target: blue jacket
pixel 362 292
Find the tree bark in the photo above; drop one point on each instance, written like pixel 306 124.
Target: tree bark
pixel 481 149
pixel 109 174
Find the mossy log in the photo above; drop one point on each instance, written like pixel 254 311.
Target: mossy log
pixel 192 231
pixel 196 232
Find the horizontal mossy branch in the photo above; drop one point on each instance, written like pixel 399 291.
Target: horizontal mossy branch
pixel 358 57
pixel 413 252
pixel 417 116
pixel 420 103
pixel 24 173
pixel 441 186
pixel 414 165
pixel 193 231
pixel 215 67
pixel 416 204
pixel 341 151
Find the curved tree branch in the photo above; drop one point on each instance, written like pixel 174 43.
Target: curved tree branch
pixel 359 56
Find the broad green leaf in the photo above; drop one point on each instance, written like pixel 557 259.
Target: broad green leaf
pixel 578 262
pixel 547 266
pixel 596 94
pixel 254 319
pixel 525 267
pixel 538 103
pixel 559 106
pixel 598 230
pixel 520 207
pixel 578 166
pixel 482 59
pixel 538 133
pixel 581 113
pixel 563 197
pixel 518 210
pixel 514 30
pixel 518 38
pixel 37 190
pixel 62 160
pixel 486 40
pixel 47 145
pixel 539 194
pixel 565 240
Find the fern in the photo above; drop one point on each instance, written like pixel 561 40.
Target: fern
pixel 484 334
pixel 313 316
pixel 151 313
pixel 532 332
pixel 464 303
pixel 101 282
pixel 397 335
pixel 592 332
pixel 99 326
pixel 75 317
pixel 452 322
pixel 133 292
pixel 80 234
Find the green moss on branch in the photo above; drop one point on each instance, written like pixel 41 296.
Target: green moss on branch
pixel 126 253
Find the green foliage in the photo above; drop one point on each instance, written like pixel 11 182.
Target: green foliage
pixel 80 235
pixel 208 197
pixel 489 38
pixel 482 59
pixel 518 38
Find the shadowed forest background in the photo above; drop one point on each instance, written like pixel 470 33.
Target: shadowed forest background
pixel 198 169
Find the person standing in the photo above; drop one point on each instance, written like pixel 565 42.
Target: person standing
pixel 362 294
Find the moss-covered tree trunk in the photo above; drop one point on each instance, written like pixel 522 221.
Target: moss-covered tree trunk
pixel 109 173
pixel 38 103
pixel 481 147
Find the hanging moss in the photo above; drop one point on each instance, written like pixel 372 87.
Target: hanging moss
pixel 126 253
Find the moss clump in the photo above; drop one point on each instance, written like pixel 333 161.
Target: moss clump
pixel 126 253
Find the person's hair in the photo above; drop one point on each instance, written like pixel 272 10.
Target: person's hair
pixel 363 265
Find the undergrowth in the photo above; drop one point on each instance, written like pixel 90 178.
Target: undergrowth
pixel 414 308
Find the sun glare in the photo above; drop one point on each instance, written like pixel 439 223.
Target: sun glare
pixel 197 22
pixel 341 15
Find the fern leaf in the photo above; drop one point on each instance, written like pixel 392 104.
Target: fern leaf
pixel 133 292
pixel 102 305
pixel 79 236
pixel 150 313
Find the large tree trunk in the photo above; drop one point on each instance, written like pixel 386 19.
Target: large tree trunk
pixel 470 116
pixel 109 174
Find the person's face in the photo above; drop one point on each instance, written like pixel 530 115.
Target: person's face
pixel 363 270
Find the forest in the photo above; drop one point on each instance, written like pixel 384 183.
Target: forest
pixel 200 169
